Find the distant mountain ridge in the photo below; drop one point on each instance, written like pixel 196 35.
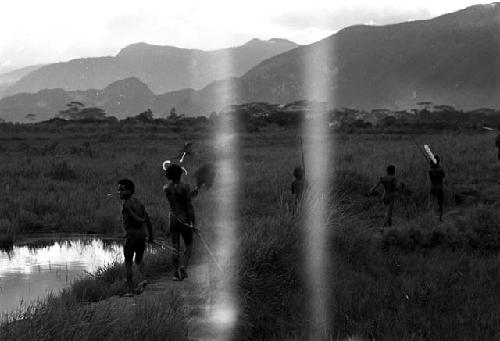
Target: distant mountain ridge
pixel 122 98
pixel 162 68
pixel 452 59
pixel 8 78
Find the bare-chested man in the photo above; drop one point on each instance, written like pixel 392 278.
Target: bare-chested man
pixel 391 188
pixel 182 218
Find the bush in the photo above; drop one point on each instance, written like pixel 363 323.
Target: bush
pixel 349 181
pixel 483 224
pixel 61 171
pixel 106 223
pixel 28 221
pixel 90 290
pixel 6 235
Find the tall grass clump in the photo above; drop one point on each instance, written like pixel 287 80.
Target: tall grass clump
pixel 482 226
pixel 103 283
pixel 62 171
pixel 437 295
pixel 270 283
pixel 274 278
pixel 7 235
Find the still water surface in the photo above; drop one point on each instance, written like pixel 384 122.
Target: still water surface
pixel 33 269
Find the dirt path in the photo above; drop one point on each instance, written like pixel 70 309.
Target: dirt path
pixel 197 295
pixel 198 300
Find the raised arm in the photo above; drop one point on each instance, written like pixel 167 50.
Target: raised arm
pixel 374 187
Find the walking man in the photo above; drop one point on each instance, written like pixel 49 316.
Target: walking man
pixel 436 176
pixel 390 184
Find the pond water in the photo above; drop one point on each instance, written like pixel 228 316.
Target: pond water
pixel 33 268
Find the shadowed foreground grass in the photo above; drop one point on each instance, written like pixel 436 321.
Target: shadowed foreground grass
pixel 61 318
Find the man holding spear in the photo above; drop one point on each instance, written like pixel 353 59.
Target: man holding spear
pixel 436 175
pixel 182 218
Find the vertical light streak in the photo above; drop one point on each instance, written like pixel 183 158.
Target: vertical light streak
pixel 224 312
pixel 317 64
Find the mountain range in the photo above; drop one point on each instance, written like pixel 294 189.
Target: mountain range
pixel 162 68
pixel 7 79
pixel 452 59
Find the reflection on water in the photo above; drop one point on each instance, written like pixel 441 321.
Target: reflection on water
pixel 35 268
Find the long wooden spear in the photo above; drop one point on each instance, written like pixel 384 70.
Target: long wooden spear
pixel 302 152
pixel 420 149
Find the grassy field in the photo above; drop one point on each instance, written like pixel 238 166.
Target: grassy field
pixel 421 279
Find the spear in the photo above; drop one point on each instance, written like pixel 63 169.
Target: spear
pixel 302 152
pixel 164 246
pixel 430 154
pixel 197 231
pixel 419 149
pixel 489 128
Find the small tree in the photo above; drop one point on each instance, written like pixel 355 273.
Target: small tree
pixel 173 114
pixel 76 111
pixel 30 117
pixel 145 116
pixel 425 105
pixel 72 112
pixel 92 113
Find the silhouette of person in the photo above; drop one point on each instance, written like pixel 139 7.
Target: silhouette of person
pixel 391 187
pixel 182 218
pixel 134 217
pixel 436 176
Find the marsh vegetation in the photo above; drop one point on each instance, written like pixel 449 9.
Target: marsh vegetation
pixel 420 279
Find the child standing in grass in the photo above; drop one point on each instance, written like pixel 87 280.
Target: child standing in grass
pixel 390 184
pixel 182 218
pixel 134 217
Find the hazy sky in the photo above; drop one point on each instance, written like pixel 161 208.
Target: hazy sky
pixel 34 31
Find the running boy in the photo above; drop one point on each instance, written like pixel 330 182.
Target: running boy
pixel 391 187
pixel 134 216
